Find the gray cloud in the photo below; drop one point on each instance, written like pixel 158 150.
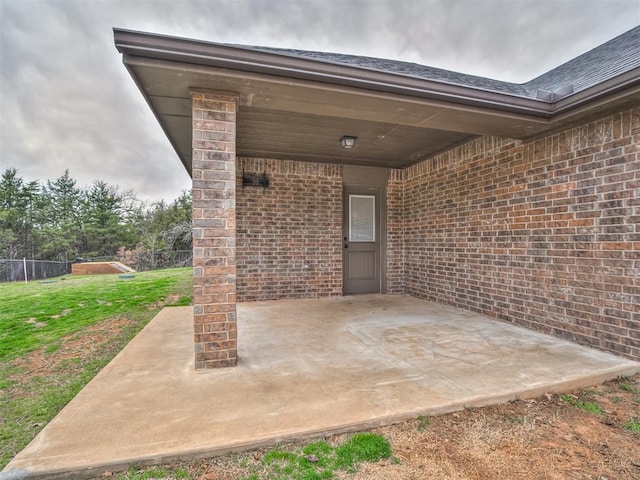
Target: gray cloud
pixel 67 102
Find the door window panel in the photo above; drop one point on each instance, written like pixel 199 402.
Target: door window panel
pixel 362 215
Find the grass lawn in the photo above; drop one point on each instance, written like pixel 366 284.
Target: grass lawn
pixel 45 326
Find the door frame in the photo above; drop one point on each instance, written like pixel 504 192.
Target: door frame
pixel 374 178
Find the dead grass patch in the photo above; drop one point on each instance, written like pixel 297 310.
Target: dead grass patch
pixel 75 346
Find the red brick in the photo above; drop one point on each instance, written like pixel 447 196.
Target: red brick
pixel 473 236
pixel 214 232
pixel 296 221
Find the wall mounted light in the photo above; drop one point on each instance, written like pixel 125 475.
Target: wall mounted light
pixel 347 141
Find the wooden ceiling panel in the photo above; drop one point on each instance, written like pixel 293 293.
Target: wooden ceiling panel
pixel 289 135
pixel 302 120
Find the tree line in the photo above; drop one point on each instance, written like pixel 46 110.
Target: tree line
pixel 57 220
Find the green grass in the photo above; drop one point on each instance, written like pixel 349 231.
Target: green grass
pixel 633 425
pixel 153 474
pixel 628 387
pixel 423 423
pixel 319 460
pixel 587 406
pixel 37 315
pixel 41 316
pixel 26 412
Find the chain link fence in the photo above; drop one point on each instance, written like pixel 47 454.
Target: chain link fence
pixel 14 270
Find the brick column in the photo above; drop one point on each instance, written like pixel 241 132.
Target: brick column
pixel 214 230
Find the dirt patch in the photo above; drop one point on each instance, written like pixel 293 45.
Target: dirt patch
pixel 36 323
pixel 536 439
pixel 62 313
pixel 171 299
pixel 79 346
pixel 543 439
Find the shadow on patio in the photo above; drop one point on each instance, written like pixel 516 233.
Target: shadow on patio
pixel 307 368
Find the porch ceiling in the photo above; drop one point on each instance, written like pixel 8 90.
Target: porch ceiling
pixel 301 120
pixel 297 109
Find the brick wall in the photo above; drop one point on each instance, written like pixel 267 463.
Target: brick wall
pixel 395 232
pixel 289 234
pixel 544 235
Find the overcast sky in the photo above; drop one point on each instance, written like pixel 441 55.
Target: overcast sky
pixel 66 100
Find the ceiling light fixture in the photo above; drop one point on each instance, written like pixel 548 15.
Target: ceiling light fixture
pixel 347 141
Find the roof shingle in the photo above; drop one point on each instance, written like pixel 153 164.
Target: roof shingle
pixel 602 63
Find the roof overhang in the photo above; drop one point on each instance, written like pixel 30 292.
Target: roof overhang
pixel 297 108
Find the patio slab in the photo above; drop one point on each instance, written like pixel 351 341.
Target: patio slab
pixel 307 368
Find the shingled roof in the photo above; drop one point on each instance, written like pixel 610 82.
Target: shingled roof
pixel 598 65
pixel 606 61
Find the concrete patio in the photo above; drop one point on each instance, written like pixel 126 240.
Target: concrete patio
pixel 307 368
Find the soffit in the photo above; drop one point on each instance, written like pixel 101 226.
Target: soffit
pixel 303 120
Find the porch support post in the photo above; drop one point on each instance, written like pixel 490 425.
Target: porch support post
pixel 214 230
